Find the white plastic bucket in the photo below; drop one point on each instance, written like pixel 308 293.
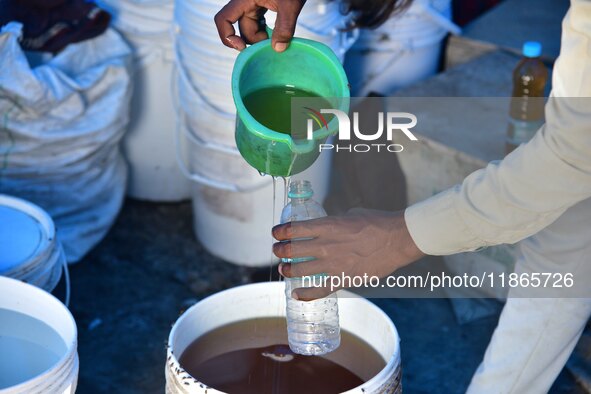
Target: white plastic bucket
pixel 148 144
pixel 29 249
pixel 193 20
pixel 205 66
pixel 244 219
pixel 404 50
pixel 231 201
pixel 140 17
pixel 62 376
pixel 212 124
pixel 195 57
pixel 214 87
pixel 356 315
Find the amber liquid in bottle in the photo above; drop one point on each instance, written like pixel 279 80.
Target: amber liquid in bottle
pixel 526 113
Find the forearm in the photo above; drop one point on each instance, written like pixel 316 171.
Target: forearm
pixel 512 199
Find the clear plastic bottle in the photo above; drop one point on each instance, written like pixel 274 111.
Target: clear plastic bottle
pixel 312 326
pixel 526 114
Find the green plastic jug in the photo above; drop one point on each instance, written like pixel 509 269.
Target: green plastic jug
pixel 306 65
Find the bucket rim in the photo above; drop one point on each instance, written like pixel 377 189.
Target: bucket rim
pixel 378 379
pixel 46 225
pixel 8 285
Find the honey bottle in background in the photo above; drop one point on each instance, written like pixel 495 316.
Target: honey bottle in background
pixel 526 113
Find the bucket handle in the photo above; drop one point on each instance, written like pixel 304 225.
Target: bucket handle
pixel 67 279
pixel 232 187
pixel 180 68
pixel 206 144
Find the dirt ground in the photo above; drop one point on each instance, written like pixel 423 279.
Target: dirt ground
pixel 128 291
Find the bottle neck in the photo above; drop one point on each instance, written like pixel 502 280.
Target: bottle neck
pixel 300 190
pixel 299 200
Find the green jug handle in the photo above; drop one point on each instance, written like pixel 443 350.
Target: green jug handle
pixel 301 148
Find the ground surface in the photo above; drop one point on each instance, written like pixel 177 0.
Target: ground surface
pixel 129 290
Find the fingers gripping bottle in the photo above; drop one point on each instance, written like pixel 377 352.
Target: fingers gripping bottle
pixel 312 326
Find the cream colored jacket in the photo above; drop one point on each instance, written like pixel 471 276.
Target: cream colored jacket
pixel 512 199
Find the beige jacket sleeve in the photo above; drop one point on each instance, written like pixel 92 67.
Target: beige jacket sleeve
pixel 514 198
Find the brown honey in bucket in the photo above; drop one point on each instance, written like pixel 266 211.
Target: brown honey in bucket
pixel 252 357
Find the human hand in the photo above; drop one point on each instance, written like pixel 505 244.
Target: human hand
pixel 362 242
pixel 251 21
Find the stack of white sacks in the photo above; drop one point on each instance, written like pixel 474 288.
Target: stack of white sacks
pixel 231 201
pixel 60 126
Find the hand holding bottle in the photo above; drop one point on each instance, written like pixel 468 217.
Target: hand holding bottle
pixel 361 242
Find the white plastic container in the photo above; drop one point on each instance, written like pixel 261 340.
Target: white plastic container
pixel 214 126
pixel 357 315
pixel 402 51
pixel 208 64
pixel 29 250
pixel 62 376
pixel 211 85
pixel 148 144
pixel 232 201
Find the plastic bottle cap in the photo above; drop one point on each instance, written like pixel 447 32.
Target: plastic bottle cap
pixel 532 49
pixel 300 189
pixel 300 194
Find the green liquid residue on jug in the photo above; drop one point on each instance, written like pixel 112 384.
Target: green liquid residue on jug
pixel 271 107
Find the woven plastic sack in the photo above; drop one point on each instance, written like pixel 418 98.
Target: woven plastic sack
pixel 60 126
